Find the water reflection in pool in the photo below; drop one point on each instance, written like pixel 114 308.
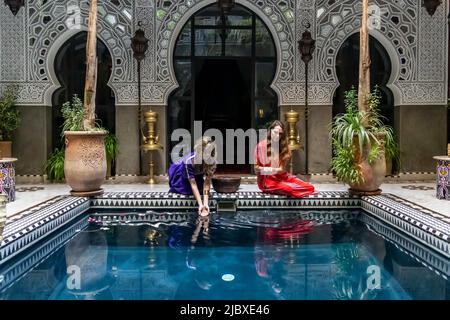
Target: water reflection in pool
pixel 251 255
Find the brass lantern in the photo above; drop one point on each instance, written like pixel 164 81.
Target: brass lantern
pixel 306 46
pixel 15 5
pixel 431 5
pixel 139 44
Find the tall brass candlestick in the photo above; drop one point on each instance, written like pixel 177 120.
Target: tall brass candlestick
pixel 151 141
pixel 292 118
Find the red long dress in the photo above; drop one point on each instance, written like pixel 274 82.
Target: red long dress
pixel 281 183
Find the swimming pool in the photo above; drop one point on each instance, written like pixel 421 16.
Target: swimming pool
pixel 251 254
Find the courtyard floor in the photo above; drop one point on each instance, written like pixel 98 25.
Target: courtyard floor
pixel 422 193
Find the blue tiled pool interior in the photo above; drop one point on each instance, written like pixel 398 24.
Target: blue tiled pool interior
pixel 286 255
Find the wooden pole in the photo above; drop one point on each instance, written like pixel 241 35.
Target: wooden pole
pixel 91 69
pixel 364 60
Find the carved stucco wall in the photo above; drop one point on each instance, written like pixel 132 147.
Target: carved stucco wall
pixel 415 41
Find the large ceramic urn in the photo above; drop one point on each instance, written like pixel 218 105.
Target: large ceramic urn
pixel 85 162
pixel 373 173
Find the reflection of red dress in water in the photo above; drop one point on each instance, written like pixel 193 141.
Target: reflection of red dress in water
pixel 281 183
pixel 271 236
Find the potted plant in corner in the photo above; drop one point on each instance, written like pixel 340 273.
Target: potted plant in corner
pixel 359 136
pixel 359 141
pixel 9 120
pixel 85 157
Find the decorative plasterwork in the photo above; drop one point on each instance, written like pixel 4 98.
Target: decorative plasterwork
pixel 45 26
pixel 414 40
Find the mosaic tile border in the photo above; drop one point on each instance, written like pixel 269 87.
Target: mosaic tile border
pixel 413 248
pixel 410 221
pixel 244 200
pixel 18 269
pixel 40 206
pixel 425 219
pixel 21 234
pixel 417 207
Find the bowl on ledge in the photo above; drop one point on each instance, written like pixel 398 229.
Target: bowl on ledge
pixel 226 184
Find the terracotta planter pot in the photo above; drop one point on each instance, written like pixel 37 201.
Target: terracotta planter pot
pixel 224 184
pixel 373 174
pixel 85 162
pixel 5 149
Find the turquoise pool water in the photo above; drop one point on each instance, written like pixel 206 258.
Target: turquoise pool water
pixel 251 255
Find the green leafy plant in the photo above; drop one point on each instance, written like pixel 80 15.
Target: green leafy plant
pixel 55 165
pixel 355 131
pixel 9 115
pixel 73 113
pixel 111 148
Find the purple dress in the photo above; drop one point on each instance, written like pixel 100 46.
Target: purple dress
pixel 179 174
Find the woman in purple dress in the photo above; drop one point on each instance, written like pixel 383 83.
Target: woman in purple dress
pixel 191 175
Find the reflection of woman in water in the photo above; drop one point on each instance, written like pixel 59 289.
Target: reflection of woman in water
pixel 200 262
pixel 270 251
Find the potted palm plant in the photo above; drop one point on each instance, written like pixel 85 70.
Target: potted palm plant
pixel 359 140
pixel 9 120
pixel 359 136
pixel 85 157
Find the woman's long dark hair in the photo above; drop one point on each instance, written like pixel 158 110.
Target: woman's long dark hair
pixel 284 152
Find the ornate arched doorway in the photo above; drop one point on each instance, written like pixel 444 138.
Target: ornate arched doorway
pixel 70 70
pixel 347 70
pixel 224 67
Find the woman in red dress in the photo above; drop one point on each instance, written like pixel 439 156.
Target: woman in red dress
pixel 271 156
